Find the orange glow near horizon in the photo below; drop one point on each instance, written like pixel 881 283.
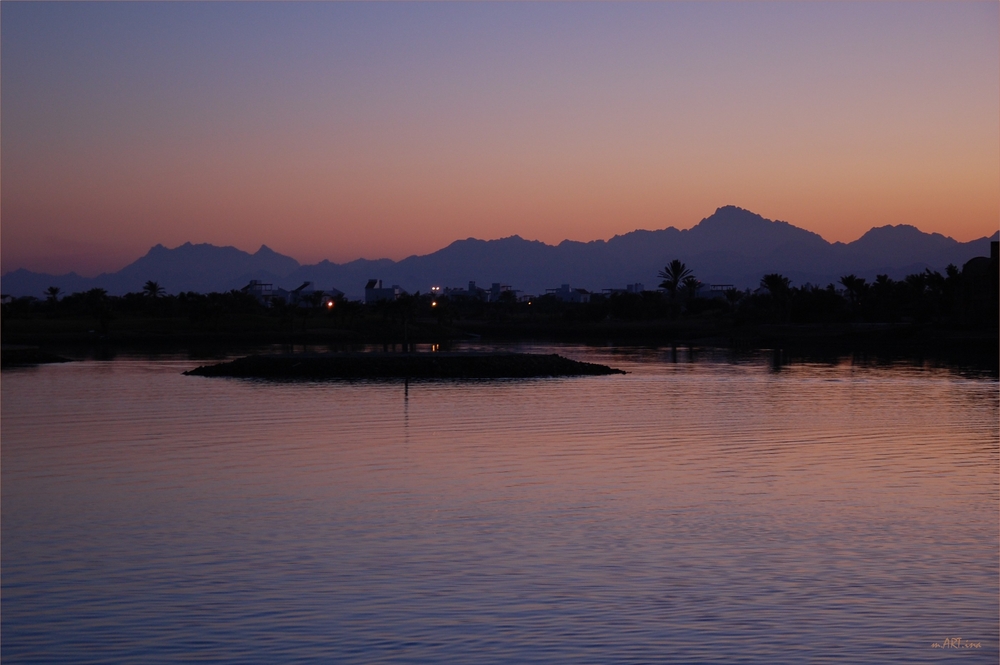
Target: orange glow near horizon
pixel 426 124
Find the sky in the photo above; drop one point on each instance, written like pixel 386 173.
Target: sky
pixel 347 130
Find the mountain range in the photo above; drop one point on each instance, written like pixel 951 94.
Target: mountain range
pixel 732 246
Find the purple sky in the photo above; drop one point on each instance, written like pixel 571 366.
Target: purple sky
pixel 346 130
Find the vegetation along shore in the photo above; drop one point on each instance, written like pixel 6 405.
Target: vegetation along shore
pixel 925 313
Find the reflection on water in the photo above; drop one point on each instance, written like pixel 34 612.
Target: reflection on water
pixel 697 510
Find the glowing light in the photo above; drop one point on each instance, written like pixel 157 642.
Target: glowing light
pixel 434 304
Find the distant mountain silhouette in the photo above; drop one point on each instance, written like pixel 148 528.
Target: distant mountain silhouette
pixel 732 246
pixel 189 267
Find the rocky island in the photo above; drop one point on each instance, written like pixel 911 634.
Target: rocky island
pixel 469 365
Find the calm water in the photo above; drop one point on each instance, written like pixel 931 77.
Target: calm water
pixel 704 511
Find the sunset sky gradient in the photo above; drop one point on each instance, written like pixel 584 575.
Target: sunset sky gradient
pixel 347 130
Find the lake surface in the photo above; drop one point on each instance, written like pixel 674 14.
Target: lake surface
pixel 697 509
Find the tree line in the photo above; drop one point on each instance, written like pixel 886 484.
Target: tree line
pixel 965 296
pixel 225 310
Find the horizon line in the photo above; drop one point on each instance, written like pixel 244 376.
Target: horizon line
pixel 514 235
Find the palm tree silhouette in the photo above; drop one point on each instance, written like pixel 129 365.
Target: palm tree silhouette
pixel 691 286
pixel 780 289
pixel 52 293
pixel 673 275
pixel 777 285
pixel 917 282
pixel 883 282
pixel 98 304
pixel 855 287
pixel 152 289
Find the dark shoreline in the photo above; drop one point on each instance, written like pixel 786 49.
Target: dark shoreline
pixel 28 356
pixel 686 332
pixel 941 344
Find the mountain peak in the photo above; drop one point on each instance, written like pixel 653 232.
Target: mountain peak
pixel 732 246
pixel 731 209
pixel 899 231
pixel 734 217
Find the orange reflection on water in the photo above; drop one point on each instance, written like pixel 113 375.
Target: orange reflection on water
pixel 695 509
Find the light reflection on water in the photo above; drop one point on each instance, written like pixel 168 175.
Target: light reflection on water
pixel 691 511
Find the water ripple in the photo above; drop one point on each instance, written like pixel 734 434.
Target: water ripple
pixel 697 511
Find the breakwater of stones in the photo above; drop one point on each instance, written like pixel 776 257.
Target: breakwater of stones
pixel 403 365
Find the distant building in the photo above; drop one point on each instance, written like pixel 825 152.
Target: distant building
pixel 374 292
pixel 498 289
pixel 303 296
pixel 715 291
pixel 638 287
pixel 473 292
pixel 565 294
pixel 262 291
pixel 307 295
